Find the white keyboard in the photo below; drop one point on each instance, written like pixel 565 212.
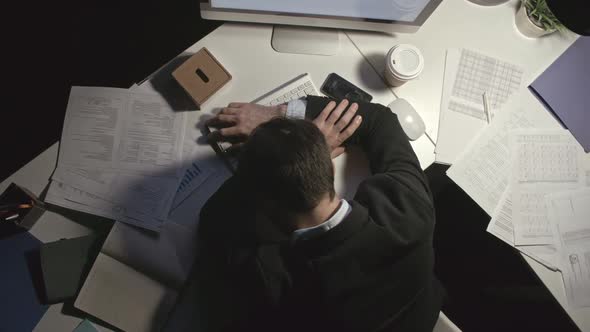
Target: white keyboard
pixel 298 87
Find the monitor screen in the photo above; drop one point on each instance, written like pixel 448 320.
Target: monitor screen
pixel 384 10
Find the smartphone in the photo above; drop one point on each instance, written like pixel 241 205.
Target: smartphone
pixel 338 88
pixel 220 147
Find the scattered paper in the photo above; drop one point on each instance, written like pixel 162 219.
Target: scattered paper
pixel 109 128
pixel 483 169
pixel 199 160
pixel 502 227
pixel 150 195
pixel 569 213
pixel 120 155
pixel 576 272
pixel 72 198
pixel 199 164
pixel 543 161
pixel 468 75
pixel 501 223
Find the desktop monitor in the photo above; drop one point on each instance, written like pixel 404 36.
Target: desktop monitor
pixel 308 26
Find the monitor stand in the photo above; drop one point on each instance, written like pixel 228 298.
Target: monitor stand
pixel 305 40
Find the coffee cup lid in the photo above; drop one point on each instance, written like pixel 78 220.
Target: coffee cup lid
pixel 405 61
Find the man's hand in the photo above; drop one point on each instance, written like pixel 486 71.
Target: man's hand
pixel 239 119
pixel 337 129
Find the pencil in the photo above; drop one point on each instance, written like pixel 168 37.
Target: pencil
pixel 14 216
pixel 486 107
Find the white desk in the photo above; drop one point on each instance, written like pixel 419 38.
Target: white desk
pixel 490 30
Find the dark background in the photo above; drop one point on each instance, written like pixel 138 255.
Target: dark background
pixel 48 47
pixel 56 44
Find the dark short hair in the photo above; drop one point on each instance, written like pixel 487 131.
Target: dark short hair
pixel 288 162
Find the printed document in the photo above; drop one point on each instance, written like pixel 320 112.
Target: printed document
pixel 483 169
pixel 502 227
pixel 149 195
pixel 72 198
pixel 199 160
pixel 575 249
pixel 569 213
pixel 118 129
pixel 468 75
pixel 140 274
pixel 544 161
pixel 123 150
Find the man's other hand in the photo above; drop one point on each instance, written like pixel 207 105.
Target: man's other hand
pixel 238 120
pixel 337 127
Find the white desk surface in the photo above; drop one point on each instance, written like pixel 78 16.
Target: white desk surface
pixel 245 51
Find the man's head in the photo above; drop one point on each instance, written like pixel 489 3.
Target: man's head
pixel 287 164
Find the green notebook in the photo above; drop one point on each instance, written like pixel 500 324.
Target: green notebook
pixel 65 263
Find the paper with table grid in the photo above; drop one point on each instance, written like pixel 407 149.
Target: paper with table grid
pixel 483 169
pixel 568 214
pixel 544 161
pixel 468 75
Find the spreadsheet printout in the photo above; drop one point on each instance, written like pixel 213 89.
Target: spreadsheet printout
pixel 501 226
pixel 569 214
pixel 483 169
pixel 544 161
pixel 468 75
pixel 575 249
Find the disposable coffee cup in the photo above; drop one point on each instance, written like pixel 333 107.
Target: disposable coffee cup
pixel 404 63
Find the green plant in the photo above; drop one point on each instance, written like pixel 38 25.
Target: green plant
pixel 541 15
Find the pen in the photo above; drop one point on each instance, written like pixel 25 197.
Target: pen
pixel 486 107
pixel 14 216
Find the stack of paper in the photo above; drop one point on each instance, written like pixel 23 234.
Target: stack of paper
pixel 512 169
pixel 120 156
pixel 468 75
pixel 569 215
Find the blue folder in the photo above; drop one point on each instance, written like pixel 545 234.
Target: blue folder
pixel 20 307
pixel 565 88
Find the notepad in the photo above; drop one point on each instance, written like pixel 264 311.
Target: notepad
pixel 137 275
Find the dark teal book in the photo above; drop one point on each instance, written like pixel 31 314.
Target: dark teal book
pixel 65 264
